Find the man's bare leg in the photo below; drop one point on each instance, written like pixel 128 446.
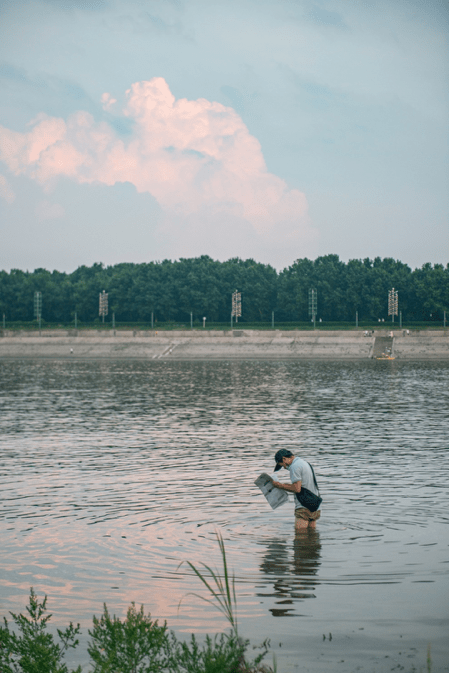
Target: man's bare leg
pixel 301 524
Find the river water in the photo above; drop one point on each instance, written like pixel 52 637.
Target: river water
pixel 113 473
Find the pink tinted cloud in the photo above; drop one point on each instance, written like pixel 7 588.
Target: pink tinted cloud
pixel 192 156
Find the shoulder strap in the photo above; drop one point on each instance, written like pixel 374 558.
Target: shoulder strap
pixel 314 478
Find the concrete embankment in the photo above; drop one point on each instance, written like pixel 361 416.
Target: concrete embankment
pixel 235 345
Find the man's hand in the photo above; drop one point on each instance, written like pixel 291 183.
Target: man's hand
pixel 292 488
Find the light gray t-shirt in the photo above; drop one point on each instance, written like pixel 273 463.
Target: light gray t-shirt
pixel 301 471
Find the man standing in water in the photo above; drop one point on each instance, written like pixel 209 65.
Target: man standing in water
pixel 300 475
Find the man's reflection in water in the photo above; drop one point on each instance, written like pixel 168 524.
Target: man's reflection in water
pixel 295 570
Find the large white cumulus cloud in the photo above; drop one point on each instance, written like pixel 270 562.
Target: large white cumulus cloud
pixel 196 158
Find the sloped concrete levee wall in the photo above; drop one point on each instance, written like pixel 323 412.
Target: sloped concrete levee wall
pixel 205 344
pixel 422 345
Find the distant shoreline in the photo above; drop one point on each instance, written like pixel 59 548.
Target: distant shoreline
pixel 224 345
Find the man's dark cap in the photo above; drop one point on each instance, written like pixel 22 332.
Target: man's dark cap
pixel 279 455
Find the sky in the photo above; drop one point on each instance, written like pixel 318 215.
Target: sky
pixel 143 130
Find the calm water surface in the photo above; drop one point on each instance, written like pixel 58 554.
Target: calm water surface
pixel 112 473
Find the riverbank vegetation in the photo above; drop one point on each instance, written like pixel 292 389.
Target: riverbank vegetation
pixel 136 644
pixel 183 292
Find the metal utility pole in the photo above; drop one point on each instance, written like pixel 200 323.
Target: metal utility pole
pixel 272 319
pixel 313 305
pixel 38 308
pixel 191 320
pixel 103 304
pixel 356 318
pixel 393 303
pixel 76 320
pixel 236 306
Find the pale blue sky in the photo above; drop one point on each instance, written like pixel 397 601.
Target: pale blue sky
pixel 348 100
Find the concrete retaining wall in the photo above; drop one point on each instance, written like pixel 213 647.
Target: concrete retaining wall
pixel 204 344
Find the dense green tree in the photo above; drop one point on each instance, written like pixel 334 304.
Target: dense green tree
pixel 431 292
pixel 203 286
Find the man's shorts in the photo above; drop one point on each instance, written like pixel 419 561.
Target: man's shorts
pixel 303 513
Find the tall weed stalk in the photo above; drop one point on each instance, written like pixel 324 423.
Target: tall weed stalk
pixel 221 587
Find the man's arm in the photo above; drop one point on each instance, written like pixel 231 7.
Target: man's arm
pixel 293 488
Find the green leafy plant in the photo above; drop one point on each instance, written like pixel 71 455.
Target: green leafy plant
pixel 33 649
pixel 224 653
pixel 136 645
pixel 221 654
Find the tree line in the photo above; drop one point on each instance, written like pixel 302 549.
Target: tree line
pixel 201 286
